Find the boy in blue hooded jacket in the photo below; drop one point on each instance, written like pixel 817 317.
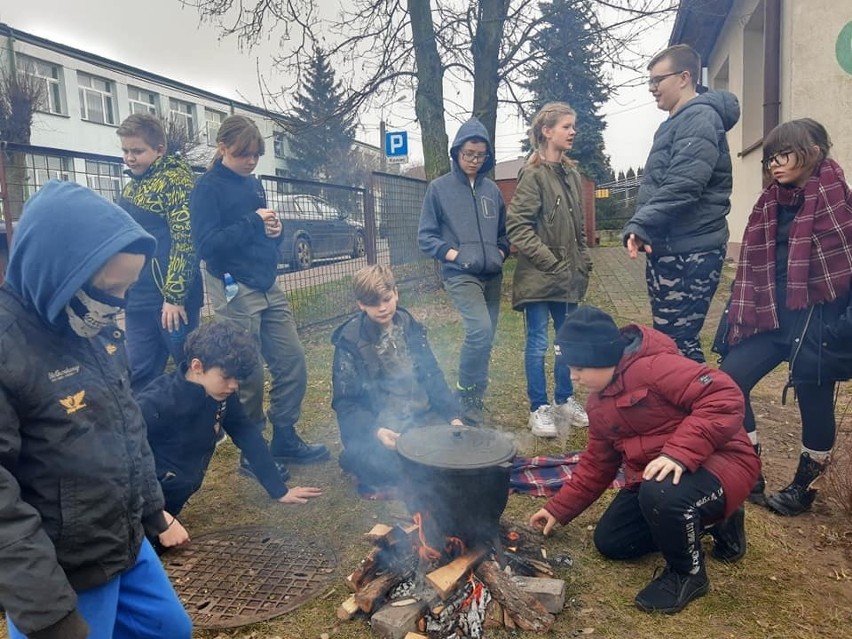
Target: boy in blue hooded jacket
pixel 463 226
pixel 78 491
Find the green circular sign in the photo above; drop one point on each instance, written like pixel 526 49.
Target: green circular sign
pixel 843 48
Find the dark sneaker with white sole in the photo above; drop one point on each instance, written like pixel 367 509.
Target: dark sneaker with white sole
pixel 670 591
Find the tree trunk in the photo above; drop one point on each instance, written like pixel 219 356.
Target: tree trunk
pixel 486 60
pixel 429 95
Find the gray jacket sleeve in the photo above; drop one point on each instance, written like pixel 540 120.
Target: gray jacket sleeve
pixel 694 154
pixel 33 588
pixel 429 235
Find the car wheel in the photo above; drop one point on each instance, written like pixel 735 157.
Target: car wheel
pixel 302 254
pixel 359 248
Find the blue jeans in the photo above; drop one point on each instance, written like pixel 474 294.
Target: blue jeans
pixel 140 603
pixel 149 344
pixel 478 303
pixel 537 316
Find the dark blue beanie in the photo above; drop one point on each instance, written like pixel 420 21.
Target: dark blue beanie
pixel 589 338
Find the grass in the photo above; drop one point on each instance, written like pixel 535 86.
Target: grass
pixel 785 587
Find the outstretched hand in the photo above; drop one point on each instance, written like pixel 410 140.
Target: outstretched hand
pixel 636 244
pixel 300 495
pixel 543 520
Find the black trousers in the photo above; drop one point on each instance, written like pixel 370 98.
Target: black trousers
pixel 662 517
pixel 755 357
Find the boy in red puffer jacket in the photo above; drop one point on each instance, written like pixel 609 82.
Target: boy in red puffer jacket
pixel 677 428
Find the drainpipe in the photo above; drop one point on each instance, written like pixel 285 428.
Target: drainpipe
pixel 771 65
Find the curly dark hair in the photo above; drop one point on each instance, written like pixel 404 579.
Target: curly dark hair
pixel 224 344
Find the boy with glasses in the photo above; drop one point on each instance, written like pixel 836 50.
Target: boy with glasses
pixel 463 226
pixel 680 219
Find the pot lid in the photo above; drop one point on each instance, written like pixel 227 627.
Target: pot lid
pixel 456 447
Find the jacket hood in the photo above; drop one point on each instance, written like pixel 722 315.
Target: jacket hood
pixel 473 128
pixel 644 341
pixel 724 103
pixel 66 234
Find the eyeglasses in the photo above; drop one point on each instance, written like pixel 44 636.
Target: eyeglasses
pixel 654 80
pixel 778 159
pixel 470 156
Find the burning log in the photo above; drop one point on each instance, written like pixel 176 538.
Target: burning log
pixel 366 571
pixel 369 596
pixel 445 579
pixel 523 609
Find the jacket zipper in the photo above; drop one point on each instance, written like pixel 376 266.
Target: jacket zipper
pixel 478 227
pixel 800 341
pixel 553 210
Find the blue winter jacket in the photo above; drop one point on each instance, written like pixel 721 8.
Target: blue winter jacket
pixel 470 219
pixel 686 188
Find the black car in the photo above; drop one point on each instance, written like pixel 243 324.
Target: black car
pixel 312 229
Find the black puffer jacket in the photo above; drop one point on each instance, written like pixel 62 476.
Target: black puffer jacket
pixel 77 478
pixel 686 188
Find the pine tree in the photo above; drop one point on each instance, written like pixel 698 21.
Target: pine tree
pixel 572 72
pixel 630 173
pixel 320 130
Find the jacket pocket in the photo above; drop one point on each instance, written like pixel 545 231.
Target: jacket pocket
pixel 470 258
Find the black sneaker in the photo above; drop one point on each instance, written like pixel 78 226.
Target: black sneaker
pixel 246 470
pixel 730 537
pixel 290 448
pixel 670 591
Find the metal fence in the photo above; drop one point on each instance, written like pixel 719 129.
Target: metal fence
pixel 329 231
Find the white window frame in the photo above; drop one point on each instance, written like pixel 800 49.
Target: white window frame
pixel 41 168
pixel 51 75
pixel 104 178
pixel 138 104
pixel 99 90
pixel 279 139
pixel 185 117
pixel 214 121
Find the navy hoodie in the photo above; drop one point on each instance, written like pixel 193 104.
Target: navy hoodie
pixel 465 217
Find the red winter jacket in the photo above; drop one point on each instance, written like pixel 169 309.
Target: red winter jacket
pixel 660 402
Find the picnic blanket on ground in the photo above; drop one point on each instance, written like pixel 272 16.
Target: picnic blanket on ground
pixel 543 476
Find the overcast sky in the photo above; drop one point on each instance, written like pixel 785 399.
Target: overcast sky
pixel 163 37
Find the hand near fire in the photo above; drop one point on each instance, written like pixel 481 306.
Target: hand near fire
pixel 388 437
pixel 300 495
pixel 544 520
pixel 175 534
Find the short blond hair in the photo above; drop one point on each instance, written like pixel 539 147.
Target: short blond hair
pixel 372 283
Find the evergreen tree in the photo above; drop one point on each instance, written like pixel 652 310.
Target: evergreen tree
pixel 572 72
pixel 320 131
pixel 630 173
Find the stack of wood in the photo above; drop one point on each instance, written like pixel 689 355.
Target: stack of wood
pixel 391 587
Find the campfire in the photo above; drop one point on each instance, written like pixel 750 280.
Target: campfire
pixel 410 588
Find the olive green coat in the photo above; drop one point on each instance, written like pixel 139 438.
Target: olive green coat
pixel 545 223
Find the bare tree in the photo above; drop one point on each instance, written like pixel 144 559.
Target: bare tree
pixel 384 46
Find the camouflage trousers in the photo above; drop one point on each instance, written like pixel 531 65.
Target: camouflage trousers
pixel 680 288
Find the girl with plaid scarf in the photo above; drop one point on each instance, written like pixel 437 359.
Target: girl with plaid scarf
pixel 790 299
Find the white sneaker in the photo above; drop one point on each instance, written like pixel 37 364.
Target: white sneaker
pixel 541 422
pixel 572 412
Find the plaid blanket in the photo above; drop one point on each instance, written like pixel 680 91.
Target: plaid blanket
pixel 544 476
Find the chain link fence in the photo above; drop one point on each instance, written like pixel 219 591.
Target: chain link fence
pixel 328 231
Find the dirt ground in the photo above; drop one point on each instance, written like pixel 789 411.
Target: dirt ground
pixel 794 583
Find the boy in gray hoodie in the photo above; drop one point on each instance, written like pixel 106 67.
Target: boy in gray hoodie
pixel 463 226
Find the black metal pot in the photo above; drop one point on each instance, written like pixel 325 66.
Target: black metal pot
pixel 457 478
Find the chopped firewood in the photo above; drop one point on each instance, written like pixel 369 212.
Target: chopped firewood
pixel 367 569
pixel 445 578
pixel 403 602
pixel 378 531
pixel 415 635
pixel 493 615
pixel 524 610
pixel 348 609
pixel 541 567
pixel 421 624
pixel 372 593
pixel 437 610
pixel 507 620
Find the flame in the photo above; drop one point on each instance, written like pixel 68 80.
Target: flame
pixel 425 551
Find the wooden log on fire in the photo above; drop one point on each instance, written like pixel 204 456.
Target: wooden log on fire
pixel 372 593
pixel 523 609
pixel 366 570
pixel 445 579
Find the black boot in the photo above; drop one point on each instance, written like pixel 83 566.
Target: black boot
pixel 245 469
pixel 758 491
pixel 287 446
pixel 671 591
pixel 798 496
pixel 730 538
pixel 471 405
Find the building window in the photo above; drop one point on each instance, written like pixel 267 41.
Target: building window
pixel 182 113
pixel 142 100
pixel 104 178
pixel 279 144
pixel 97 103
pixel 51 76
pixel 214 121
pixel 41 168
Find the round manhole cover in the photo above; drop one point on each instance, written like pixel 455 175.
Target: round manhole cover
pixel 235 577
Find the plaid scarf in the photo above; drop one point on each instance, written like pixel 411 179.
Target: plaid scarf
pixel 819 267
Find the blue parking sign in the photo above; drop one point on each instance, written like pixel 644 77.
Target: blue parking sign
pixel 396 143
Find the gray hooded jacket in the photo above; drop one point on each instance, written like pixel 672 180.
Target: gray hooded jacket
pixel 470 219
pixel 685 193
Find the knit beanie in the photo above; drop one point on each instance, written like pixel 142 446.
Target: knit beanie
pixel 589 338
